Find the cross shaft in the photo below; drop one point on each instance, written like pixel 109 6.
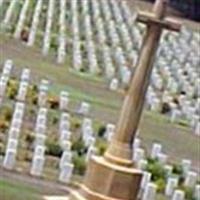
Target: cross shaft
pixel 120 149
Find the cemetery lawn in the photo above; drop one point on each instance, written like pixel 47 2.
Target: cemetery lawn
pixel 178 140
pixel 17 191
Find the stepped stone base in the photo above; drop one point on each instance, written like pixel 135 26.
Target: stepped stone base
pixel 107 181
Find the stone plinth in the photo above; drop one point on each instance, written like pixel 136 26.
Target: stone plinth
pixel 107 181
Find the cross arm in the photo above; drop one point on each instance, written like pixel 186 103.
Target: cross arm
pixel 167 22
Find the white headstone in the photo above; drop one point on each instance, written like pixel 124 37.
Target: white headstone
pixel 178 195
pixel 142 164
pixel 146 178
pixel 37 165
pixel 12 144
pixel 14 133
pixel 150 192
pixel 172 183
pixel 84 108
pixel 10 159
pixel 197 192
pixel 66 145
pixel 138 154
pixel 91 151
pixel 114 84
pixel 64 100
pixel 66 173
pixel 186 165
pixel 168 170
pixel 66 158
pixel 39 140
pixel 191 179
pixel 65 135
pixel 25 76
pixel 87 122
pixel 110 129
pixel 162 158
pixel 136 143
pixel 156 149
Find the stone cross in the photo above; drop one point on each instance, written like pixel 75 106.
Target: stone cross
pixel 120 149
pixel 122 178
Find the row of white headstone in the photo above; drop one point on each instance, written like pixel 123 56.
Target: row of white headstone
pixel 17 118
pixel 21 21
pixel 62 34
pixel 9 12
pixel 35 23
pixel 92 57
pixel 40 131
pixel 77 57
pixel 177 80
pixel 150 191
pixel 83 109
pixel 25 76
pixel 23 85
pixel 90 46
pixel 24 81
pixel 148 188
pixel 65 165
pixel 47 34
pixel 38 161
pixel 115 40
pixel 13 136
pixel 89 140
pixel 119 23
pixel 4 78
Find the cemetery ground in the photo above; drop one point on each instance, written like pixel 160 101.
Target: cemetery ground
pixel 24 189
pixel 177 139
pixel 15 186
pixel 14 191
pixel 105 103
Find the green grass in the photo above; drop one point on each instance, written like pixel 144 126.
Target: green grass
pixel 78 95
pixel 177 139
pixel 17 191
pixel 65 79
pixel 161 197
